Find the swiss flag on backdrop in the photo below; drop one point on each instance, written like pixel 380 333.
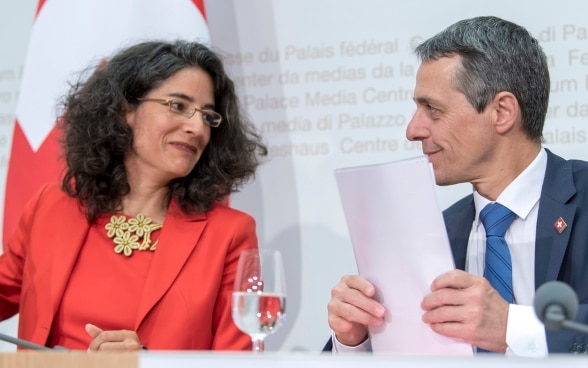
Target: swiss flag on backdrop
pixel 68 36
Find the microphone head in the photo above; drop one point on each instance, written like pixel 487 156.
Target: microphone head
pixel 554 302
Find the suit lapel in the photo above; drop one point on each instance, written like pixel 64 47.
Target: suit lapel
pixel 66 255
pixel 550 245
pixel 458 222
pixel 65 238
pixel 178 238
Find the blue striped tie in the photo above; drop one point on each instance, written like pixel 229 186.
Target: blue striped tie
pixel 496 219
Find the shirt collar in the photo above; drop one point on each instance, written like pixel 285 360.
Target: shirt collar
pixel 521 195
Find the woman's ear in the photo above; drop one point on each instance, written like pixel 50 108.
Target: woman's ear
pixel 128 111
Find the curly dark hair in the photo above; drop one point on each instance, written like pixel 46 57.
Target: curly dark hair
pixel 96 136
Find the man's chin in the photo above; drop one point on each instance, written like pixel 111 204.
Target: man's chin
pixel 443 181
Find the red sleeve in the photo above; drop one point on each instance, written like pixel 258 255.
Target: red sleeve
pixel 226 335
pixel 13 259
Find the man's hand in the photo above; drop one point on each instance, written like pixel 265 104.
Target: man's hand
pixel 351 309
pixel 465 306
pixel 121 340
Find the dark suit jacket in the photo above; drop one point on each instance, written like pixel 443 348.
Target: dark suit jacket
pixel 562 257
pixel 186 303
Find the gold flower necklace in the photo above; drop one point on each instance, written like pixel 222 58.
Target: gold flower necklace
pixel 126 234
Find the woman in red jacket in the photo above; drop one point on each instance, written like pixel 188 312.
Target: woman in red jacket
pixel 135 248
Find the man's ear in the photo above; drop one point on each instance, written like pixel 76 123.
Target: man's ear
pixel 508 112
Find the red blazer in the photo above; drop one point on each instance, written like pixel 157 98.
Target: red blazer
pixel 187 298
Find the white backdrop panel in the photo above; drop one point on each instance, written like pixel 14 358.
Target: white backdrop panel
pixel 329 83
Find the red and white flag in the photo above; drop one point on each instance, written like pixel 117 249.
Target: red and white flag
pixel 68 36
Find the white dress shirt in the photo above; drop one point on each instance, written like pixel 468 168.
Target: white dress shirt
pixel 525 334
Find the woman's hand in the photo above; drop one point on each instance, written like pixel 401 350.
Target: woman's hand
pixel 121 340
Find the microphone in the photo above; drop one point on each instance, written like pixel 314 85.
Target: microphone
pixel 556 305
pixel 27 344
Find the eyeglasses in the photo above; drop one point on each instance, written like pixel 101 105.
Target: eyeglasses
pixel 211 118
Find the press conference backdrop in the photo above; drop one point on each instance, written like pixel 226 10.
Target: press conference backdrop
pixel 329 84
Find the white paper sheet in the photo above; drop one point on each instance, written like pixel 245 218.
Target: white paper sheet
pixel 400 245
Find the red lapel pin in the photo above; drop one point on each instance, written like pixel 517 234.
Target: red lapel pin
pixel 560 225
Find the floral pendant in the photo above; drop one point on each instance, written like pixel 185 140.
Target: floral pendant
pixel 132 234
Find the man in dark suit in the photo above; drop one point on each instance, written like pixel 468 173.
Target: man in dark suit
pixel 560 254
pixel 482 94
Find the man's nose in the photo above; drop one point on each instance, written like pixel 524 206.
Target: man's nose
pixel 417 130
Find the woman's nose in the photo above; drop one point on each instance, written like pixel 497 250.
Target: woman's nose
pixel 195 124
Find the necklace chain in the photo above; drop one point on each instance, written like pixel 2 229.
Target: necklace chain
pixel 132 234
